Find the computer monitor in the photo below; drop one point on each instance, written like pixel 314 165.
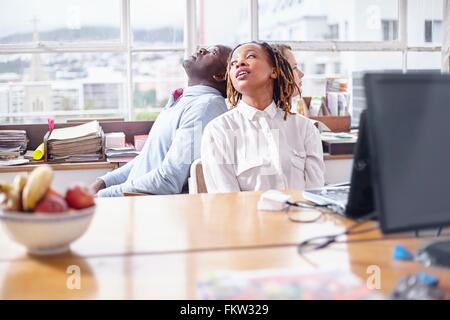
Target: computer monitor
pixel 409 134
pixel 356 200
pixel 360 198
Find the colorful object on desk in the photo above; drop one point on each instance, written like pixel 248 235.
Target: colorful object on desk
pixel 427 279
pixel 401 253
pixel 283 284
pixel 51 124
pixel 38 154
pixel 413 287
pixel 344 136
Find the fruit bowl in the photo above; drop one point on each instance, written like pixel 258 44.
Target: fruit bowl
pixel 46 234
pixel 41 219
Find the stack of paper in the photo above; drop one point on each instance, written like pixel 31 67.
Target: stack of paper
pixel 13 143
pixel 78 143
pixel 124 154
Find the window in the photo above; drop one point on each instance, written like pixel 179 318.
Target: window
pixel 79 62
pixel 425 22
pixel 337 67
pixel 223 22
pixel 390 30
pixel 25 21
pixel 314 20
pixel 157 25
pixel 155 75
pixel 433 31
pixel 89 58
pixel 351 65
pixel 424 61
pixel 333 32
pixel 320 68
pixel 36 86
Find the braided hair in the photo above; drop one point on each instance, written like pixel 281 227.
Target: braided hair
pixel 284 86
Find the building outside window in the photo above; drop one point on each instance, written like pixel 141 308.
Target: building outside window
pixel 433 31
pixel 390 30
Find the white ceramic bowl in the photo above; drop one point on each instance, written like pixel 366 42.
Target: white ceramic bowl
pixel 46 234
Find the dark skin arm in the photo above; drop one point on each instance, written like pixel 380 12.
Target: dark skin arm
pixel 97 185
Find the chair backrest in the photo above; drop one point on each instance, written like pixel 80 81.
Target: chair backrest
pixel 196 180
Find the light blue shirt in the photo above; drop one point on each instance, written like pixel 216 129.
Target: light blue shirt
pixel 173 144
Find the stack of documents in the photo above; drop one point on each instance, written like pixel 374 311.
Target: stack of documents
pixel 78 143
pixel 124 154
pixel 13 143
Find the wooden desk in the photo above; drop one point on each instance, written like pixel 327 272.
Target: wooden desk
pixel 60 166
pixel 152 224
pixel 65 174
pixel 160 246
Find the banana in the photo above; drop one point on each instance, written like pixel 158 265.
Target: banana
pixel 5 187
pixel 19 183
pixel 38 183
pixel 11 200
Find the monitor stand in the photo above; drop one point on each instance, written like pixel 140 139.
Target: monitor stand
pixel 436 254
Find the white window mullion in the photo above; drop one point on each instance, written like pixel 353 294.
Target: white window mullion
pixel 126 40
pixel 54 47
pixel 254 20
pixel 190 28
pixel 403 31
pixel 334 46
pixel 446 37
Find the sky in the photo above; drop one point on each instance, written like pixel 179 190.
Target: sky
pixel 16 15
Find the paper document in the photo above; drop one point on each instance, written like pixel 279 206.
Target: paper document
pixel 87 129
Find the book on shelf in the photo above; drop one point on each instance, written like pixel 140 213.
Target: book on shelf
pixel 13 143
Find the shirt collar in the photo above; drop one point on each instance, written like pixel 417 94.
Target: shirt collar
pixel 199 90
pixel 250 112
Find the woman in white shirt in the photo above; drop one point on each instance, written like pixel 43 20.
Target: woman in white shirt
pixel 259 144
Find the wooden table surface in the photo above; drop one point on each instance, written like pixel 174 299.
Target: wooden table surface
pixel 160 246
pixel 60 166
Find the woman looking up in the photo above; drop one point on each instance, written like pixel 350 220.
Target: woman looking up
pixel 259 144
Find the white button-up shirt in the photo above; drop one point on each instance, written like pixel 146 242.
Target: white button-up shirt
pixel 246 149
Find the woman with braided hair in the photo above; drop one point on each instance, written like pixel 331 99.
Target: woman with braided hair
pixel 259 144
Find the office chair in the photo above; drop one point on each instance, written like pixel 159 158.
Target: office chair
pixel 197 181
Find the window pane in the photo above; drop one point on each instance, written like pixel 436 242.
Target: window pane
pixel 158 23
pixel 24 21
pixel 155 76
pixel 425 22
pixel 349 66
pixel 317 20
pixel 424 61
pixel 223 22
pixel 66 85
